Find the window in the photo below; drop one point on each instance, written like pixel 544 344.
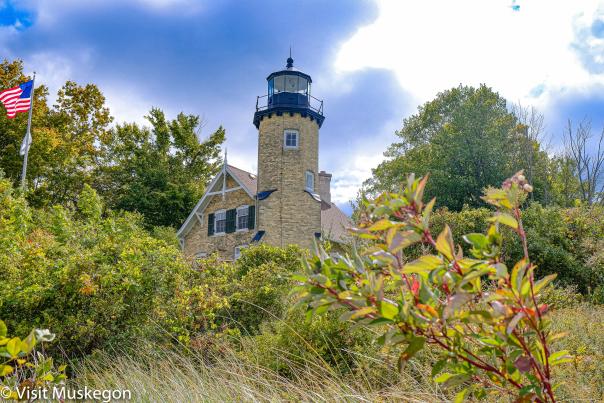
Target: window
pixel 242 218
pixel 290 139
pixel 310 181
pixel 238 251
pixel 220 222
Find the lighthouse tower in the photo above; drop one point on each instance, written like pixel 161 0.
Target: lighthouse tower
pixel 288 119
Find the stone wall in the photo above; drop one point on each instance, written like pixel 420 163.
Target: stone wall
pixel 289 215
pixel 198 241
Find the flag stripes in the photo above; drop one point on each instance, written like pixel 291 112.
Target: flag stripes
pixel 16 99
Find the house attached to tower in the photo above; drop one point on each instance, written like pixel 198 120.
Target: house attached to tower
pixel 289 201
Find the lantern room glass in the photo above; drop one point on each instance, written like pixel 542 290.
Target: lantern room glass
pixel 291 83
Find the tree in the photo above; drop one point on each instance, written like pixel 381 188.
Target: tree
pixel 465 139
pixel 65 149
pixel 588 166
pixel 161 171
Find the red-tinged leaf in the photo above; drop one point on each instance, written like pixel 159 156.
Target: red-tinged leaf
pixel 523 364
pixel 543 309
pixel 381 225
pixel 415 287
pixel 455 302
pixel 427 308
pixel 401 240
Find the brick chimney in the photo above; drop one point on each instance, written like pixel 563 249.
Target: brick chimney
pixel 325 186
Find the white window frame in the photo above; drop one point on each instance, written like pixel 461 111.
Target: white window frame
pixel 216 232
pixel 246 209
pixel 311 175
pixel 291 131
pixel 237 250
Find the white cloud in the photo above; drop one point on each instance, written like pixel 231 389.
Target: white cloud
pixel 533 55
pixel 433 45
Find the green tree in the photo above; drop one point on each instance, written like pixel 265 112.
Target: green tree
pixel 66 138
pixel 467 140
pixel 159 171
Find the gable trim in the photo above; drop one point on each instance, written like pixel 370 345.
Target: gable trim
pixel 186 226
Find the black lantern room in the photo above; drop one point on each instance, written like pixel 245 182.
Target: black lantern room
pixel 289 92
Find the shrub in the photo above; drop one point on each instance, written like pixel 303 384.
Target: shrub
pixel 96 278
pixel 254 287
pixel 287 345
pixel 484 320
pixel 564 241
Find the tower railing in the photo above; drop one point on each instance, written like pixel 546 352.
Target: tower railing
pixel 314 104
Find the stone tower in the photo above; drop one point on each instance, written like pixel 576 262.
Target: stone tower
pixel 288 120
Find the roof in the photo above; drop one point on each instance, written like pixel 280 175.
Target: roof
pixel 334 223
pixel 248 179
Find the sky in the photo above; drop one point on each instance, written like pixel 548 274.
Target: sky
pixel 373 62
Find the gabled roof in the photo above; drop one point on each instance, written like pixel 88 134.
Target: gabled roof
pixel 246 180
pixel 244 177
pixel 334 223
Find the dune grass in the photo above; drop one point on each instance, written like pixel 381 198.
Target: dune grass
pixel 226 375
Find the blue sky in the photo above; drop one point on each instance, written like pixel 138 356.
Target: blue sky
pixel 373 62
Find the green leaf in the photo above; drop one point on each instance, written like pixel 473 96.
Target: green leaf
pixel 505 219
pixel 518 274
pixel 13 347
pixel 29 343
pixel 501 270
pixel 543 282
pixel 443 377
pixel 424 264
pixel 5 370
pixel 3 329
pixel 381 225
pixel 479 241
pixel 461 395
pixel 415 345
pixel 362 312
pixel 560 357
pixel 456 380
pixel 444 243
pixel 436 368
pixel 388 310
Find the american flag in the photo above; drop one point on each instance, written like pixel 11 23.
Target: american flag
pixel 17 99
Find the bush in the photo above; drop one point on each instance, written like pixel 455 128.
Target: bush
pixel 254 287
pixel 483 320
pixel 287 345
pixel 95 280
pixel 564 241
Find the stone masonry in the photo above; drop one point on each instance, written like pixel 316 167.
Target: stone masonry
pixel 197 239
pixel 290 215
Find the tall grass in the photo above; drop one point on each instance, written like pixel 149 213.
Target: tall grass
pixel 169 376
pixel 224 374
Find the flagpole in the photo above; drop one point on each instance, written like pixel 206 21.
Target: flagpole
pixel 28 134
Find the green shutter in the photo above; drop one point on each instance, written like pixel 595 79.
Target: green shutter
pixel 231 216
pixel 210 224
pixel 251 217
